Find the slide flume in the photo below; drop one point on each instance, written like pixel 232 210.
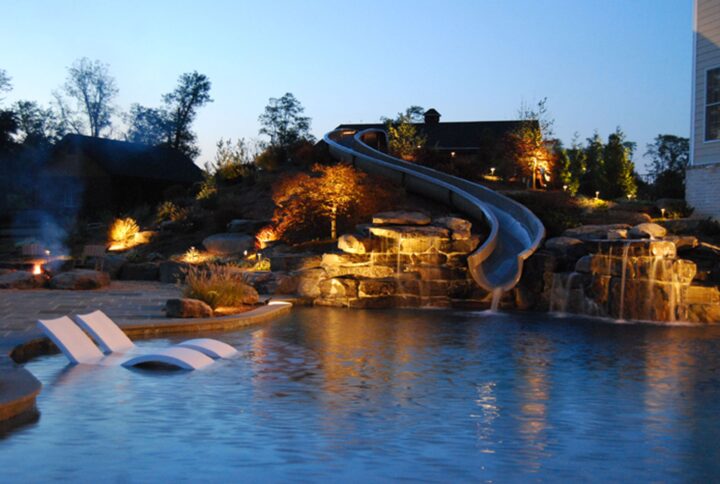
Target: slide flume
pixel 515 232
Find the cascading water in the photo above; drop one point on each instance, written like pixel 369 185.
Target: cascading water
pixel 496 297
pixel 623 279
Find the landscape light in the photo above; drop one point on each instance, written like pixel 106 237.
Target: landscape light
pixel 492 171
pixel 597 195
pixel 565 188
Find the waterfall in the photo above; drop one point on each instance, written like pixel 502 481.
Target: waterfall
pixel 397 268
pixel 623 277
pixel 560 293
pixel 652 278
pixel 496 296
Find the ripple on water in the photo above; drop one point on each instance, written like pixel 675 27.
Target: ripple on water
pixel 434 395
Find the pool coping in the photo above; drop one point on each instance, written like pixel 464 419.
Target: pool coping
pixel 19 388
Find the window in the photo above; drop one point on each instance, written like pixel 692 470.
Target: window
pixel 712 105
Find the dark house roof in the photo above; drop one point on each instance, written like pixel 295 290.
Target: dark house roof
pixel 463 135
pixel 126 159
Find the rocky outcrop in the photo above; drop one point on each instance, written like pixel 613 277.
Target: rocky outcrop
pixel 228 244
pixel 401 218
pixel 187 308
pixel 21 280
pixel 79 279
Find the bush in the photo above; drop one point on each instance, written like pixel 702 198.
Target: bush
pixel 123 230
pixel 217 285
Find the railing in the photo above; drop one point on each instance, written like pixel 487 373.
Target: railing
pixel 515 232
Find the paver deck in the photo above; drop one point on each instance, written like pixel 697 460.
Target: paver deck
pixel 126 302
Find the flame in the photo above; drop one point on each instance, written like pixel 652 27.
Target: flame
pixel 37 269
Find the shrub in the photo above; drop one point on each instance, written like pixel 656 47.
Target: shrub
pixel 123 230
pixel 217 285
pixel 169 211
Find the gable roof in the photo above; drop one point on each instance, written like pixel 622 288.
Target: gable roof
pixel 126 159
pixel 463 135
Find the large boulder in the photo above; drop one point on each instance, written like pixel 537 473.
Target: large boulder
pixel 593 232
pixel 228 244
pixel 351 244
pixel 21 280
pixel 647 231
pixel 459 227
pixel 401 218
pixel 187 308
pixel 308 282
pixel 410 232
pixel 80 279
pixel 245 226
pixel 172 271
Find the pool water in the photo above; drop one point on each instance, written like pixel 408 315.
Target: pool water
pixel 339 395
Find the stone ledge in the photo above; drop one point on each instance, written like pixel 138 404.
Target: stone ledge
pixel 18 391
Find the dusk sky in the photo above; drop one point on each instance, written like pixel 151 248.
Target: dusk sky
pixel 600 63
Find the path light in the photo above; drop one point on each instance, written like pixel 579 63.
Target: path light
pixel 564 188
pixel 597 195
pixel 662 212
pixel 452 154
pixel 245 252
pixel 492 171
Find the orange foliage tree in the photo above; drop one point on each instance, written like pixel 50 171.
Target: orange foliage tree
pixel 329 192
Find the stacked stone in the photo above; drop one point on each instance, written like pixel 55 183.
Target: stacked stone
pixel 403 259
pixel 623 272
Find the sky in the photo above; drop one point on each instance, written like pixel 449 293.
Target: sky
pixel 600 63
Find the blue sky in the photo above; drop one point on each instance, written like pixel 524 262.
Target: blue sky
pixel 600 63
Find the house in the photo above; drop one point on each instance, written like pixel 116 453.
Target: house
pixel 703 173
pixel 90 175
pixel 483 140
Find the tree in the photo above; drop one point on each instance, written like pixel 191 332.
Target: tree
pixel 37 126
pixel 530 143
pixel 232 160
pixel 148 126
pixel 669 156
pixel 5 84
pixel 564 169
pixel 284 123
pixel 593 180
pixel 329 192
pixel 181 106
pixel 404 139
pixel 619 168
pixel 92 88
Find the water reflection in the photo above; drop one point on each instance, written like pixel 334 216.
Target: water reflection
pixel 388 395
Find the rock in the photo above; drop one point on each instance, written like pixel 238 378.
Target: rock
pixel 679 226
pixel 401 218
pixel 246 226
pixel 142 271
pixel 80 279
pixel 351 244
pixel 617 234
pixel 339 287
pixel 228 244
pixel 616 217
pixel 459 227
pixel 584 264
pixel 682 241
pixel 172 272
pixel 21 280
pixel 647 230
pixel 593 232
pixel 410 232
pixel 294 262
pixel 267 282
pixel 377 287
pixel 113 263
pixel 567 247
pixel 309 282
pixel 187 308
pixel 336 265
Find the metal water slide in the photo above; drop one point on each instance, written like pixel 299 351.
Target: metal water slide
pixel 515 232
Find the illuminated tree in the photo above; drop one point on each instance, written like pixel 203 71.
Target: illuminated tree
pixel 533 158
pixel 327 193
pixel 404 139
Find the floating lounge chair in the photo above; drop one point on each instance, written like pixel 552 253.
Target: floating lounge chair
pixel 80 349
pixel 111 338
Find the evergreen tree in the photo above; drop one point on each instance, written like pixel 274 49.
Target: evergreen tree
pixel 593 180
pixel 619 178
pixel 565 174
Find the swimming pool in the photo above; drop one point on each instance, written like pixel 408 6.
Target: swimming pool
pixel 444 395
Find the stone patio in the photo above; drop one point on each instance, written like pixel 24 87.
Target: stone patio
pixel 127 302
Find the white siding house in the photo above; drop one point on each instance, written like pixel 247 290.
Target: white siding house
pixel 703 175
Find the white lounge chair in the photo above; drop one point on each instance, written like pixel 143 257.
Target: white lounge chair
pixel 80 349
pixel 112 339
